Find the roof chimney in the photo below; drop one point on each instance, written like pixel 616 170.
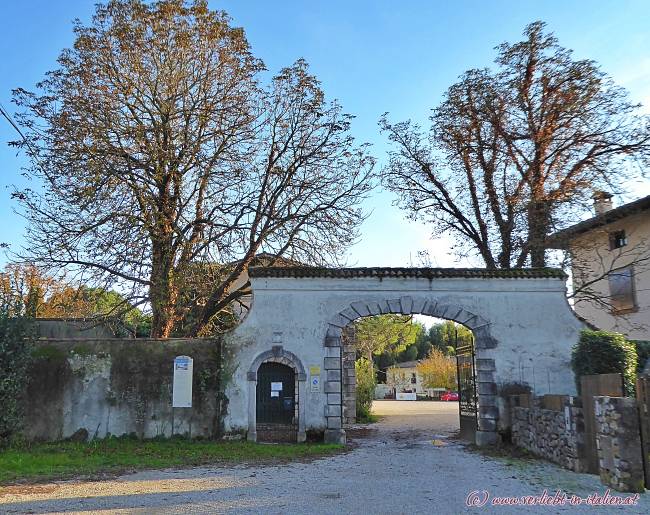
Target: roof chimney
pixel 602 202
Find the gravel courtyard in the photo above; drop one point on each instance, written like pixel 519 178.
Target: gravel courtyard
pixel 407 463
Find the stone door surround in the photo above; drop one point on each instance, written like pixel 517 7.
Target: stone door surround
pixel 276 355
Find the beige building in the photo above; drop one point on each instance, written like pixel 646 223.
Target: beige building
pixel 404 377
pixel 610 265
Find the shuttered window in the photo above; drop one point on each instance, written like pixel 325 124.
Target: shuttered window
pixel 621 290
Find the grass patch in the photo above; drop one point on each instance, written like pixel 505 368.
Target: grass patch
pixel 368 418
pixel 66 459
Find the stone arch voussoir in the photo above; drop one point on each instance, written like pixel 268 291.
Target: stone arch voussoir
pixel 406 305
pixel 277 355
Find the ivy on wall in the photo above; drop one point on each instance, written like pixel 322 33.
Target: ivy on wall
pixel 15 359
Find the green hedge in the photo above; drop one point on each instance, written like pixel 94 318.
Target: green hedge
pixel 601 352
pixel 365 377
pixel 642 353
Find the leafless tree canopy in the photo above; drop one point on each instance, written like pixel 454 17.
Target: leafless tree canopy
pixel 160 146
pixel 514 152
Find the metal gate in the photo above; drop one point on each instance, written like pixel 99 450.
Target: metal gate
pixel 275 394
pixel 468 405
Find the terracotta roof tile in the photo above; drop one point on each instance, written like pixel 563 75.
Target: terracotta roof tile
pixel 425 273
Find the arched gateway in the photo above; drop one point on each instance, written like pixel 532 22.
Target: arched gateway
pixel 523 328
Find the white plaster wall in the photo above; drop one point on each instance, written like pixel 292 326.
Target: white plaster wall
pixel 530 318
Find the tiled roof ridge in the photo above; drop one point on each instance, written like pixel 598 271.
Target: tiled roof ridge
pixel 426 273
pixel 559 238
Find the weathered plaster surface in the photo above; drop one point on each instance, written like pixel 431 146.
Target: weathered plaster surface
pixel 524 331
pixel 117 387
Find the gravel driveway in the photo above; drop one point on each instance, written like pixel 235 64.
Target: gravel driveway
pixel 407 464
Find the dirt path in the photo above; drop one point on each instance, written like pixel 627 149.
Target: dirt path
pixel 407 464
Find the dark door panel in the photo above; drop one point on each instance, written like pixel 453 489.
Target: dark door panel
pixel 468 404
pixel 275 394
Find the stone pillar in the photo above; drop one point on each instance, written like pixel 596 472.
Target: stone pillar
pixel 488 412
pixel 334 432
pixel 252 410
pixel 348 376
pixel 302 400
pixel 619 443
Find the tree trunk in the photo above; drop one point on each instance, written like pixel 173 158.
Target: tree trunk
pixel 163 291
pixel 538 225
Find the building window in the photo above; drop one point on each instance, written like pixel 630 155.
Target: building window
pixel 617 240
pixel 621 290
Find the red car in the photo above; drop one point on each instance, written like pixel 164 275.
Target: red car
pixel 449 396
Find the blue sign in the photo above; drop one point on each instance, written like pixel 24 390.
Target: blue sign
pixel 182 363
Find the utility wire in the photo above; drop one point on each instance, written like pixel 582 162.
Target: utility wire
pixel 7 116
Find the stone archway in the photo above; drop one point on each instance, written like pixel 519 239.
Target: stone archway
pixel 485 367
pixel 306 308
pixel 277 354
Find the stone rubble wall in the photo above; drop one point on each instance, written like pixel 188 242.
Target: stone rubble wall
pixel 619 443
pixel 556 435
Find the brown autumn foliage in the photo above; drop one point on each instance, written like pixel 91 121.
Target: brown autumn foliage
pixel 515 152
pixel 162 147
pixel 438 370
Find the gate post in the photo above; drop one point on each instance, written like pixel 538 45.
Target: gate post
pixel 302 400
pixel 488 412
pixel 334 433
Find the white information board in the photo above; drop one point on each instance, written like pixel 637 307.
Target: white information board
pixel 406 396
pixel 182 394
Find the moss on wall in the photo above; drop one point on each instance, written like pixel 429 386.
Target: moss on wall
pixel 49 373
pixel 139 382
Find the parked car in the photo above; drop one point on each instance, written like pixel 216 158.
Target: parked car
pixel 449 396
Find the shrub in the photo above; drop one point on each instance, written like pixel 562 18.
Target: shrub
pixel 505 390
pixel 642 354
pixel 365 388
pixel 601 352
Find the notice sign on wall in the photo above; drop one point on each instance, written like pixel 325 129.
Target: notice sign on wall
pixel 315 383
pixel 276 387
pixel 182 393
pixel 314 379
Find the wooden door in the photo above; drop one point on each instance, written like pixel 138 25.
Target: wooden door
pixel 275 394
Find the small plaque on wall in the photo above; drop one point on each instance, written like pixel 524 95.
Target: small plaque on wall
pixel 182 392
pixel 315 383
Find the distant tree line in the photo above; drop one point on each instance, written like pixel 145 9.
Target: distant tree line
pixel 44 296
pixel 389 339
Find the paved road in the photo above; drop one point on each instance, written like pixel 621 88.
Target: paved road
pixel 408 463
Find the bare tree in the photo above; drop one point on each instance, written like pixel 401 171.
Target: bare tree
pixel 514 153
pixel 159 148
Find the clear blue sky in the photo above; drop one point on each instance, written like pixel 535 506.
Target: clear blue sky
pixel 374 56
